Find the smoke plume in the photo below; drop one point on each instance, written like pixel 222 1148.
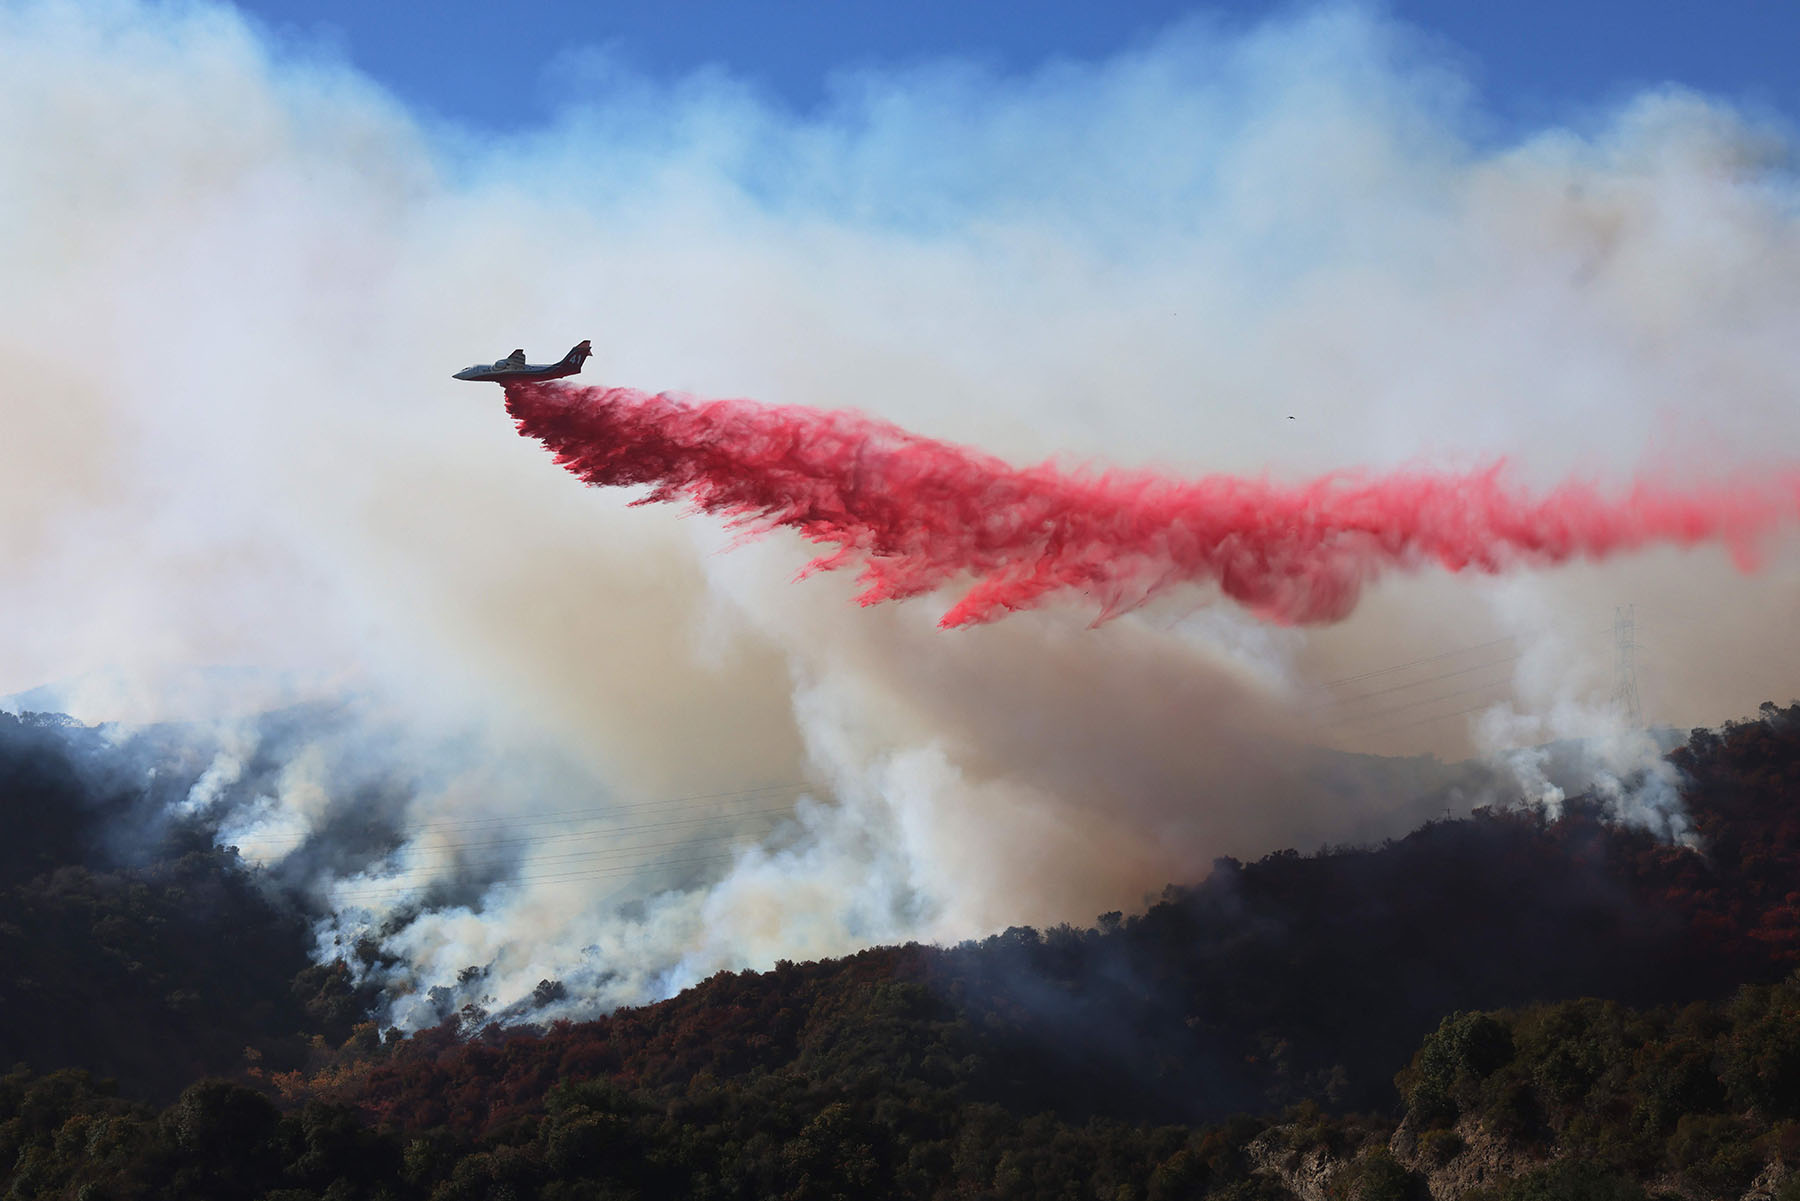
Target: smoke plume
pixel 493 729
pixel 920 513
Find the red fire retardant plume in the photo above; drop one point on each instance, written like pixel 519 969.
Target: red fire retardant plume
pixel 918 514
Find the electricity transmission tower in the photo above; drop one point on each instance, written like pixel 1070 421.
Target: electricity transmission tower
pixel 1625 691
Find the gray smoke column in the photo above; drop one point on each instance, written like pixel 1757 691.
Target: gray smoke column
pixel 590 742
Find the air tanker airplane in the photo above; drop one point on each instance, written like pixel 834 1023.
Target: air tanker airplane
pixel 514 369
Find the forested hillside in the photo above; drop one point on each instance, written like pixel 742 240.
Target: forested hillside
pixel 132 946
pixel 1432 985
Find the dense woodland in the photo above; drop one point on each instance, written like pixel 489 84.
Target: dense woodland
pixel 1506 1007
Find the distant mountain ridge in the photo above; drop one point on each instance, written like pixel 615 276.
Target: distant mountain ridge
pixel 205 693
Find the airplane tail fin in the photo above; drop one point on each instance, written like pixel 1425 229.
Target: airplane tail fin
pixel 582 351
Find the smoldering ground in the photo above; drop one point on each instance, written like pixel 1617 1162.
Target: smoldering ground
pixel 239 277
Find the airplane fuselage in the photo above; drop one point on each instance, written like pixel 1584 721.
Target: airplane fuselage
pixel 512 371
pixel 531 371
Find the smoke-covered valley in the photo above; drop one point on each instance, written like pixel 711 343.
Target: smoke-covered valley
pixel 473 716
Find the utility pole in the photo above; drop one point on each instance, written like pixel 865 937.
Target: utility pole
pixel 1625 692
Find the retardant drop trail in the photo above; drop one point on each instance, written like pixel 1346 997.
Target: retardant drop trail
pixel 917 514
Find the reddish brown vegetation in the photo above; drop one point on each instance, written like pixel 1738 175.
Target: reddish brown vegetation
pixel 1271 982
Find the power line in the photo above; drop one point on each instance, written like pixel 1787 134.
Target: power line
pixel 1370 716
pixel 608 831
pixel 1625 689
pixel 626 870
pixel 1407 725
pixel 559 817
pixel 1363 696
pixel 1430 700
pixel 589 813
pixel 571 815
pixel 1631 645
pixel 578 857
pixel 474 826
pixel 1449 654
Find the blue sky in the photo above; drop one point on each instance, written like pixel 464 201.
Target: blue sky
pixel 1532 61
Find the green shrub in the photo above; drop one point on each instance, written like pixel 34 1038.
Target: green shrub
pixel 1571 1179
pixel 1439 1147
pixel 1450 1065
pixel 1378 1176
pixel 1716 1153
pixel 1762 1054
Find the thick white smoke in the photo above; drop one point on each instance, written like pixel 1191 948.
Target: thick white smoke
pixel 593 743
